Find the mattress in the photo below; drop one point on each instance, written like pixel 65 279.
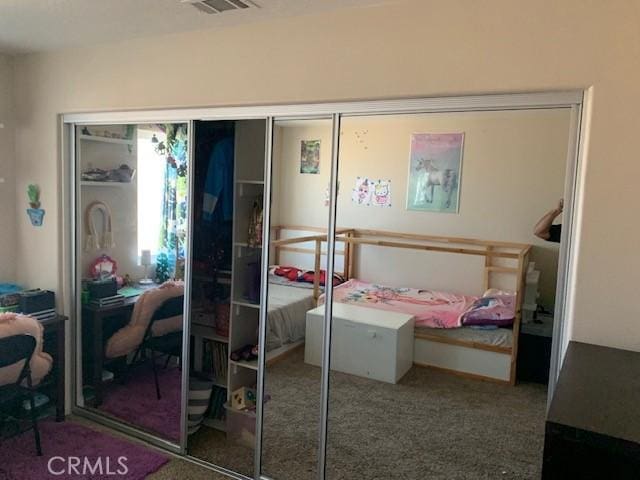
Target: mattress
pixel 288 307
pixel 430 308
pixel 497 337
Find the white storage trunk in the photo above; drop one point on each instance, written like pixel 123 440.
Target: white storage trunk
pixel 366 342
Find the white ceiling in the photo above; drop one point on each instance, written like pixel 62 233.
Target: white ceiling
pixel 40 25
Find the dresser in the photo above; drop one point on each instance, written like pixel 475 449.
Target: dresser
pixel 593 424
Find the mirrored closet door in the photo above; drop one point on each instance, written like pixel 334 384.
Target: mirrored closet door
pixel 225 229
pixel 228 201
pixel 301 166
pixel 439 210
pixel 131 244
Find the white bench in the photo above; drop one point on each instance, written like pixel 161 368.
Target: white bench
pixel 366 342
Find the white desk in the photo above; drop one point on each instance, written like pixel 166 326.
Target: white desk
pixel 366 342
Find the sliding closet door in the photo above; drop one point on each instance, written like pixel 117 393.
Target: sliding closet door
pixel 301 166
pixel 435 216
pixel 131 245
pixel 229 192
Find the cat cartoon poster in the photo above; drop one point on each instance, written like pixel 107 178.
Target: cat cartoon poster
pixel 381 193
pixel 372 192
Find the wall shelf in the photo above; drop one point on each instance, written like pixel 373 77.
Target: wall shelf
pixel 89 183
pixel 96 138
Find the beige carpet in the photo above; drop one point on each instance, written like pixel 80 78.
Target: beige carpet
pixel 430 425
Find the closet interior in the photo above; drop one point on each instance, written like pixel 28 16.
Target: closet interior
pixel 228 198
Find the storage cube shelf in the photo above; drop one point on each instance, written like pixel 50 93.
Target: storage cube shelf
pixel 244 320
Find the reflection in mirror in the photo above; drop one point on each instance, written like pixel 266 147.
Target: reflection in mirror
pixel 297 257
pixel 225 303
pixel 443 292
pixel 132 223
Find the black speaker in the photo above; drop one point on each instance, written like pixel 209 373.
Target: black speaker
pixel 32 301
pixel 102 288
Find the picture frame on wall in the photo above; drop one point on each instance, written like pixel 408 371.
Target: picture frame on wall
pixel 310 156
pixel 435 170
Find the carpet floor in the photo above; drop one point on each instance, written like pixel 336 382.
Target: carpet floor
pixel 430 425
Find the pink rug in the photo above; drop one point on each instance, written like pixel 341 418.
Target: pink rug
pixel 136 403
pixel 72 451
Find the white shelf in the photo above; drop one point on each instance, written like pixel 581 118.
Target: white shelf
pixel 251 182
pixel 207 332
pixel 97 138
pixel 243 303
pixel 272 355
pixel 213 423
pixel 89 183
pixel 246 245
pixel 250 364
pixel 203 278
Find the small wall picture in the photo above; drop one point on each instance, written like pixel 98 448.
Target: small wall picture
pixel 361 194
pixel 310 156
pixel 435 167
pixel 381 193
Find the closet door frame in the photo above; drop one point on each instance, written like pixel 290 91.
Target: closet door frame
pixel 579 100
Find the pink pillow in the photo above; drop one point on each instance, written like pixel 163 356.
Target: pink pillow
pixel 491 309
pixel 16 324
pixel 128 338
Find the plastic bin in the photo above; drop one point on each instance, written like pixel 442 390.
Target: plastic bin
pixel 241 426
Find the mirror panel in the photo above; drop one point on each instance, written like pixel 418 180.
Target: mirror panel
pixel 407 396
pixel 301 168
pixel 225 302
pixel 131 244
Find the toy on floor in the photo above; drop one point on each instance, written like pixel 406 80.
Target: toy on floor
pixel 243 398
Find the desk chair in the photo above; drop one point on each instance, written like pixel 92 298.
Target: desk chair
pixel 169 344
pixel 13 350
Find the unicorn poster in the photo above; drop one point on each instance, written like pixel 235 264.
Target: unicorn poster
pixel 435 166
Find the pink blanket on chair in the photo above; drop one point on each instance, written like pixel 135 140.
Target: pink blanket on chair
pixel 430 308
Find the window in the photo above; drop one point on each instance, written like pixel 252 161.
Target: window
pixel 151 176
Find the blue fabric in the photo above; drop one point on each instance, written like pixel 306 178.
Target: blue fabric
pixel 218 187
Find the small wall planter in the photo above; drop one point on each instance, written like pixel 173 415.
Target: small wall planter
pixel 36 215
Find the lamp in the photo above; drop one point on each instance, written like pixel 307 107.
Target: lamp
pixel 145 261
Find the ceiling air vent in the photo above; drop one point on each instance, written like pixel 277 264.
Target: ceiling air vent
pixel 220 6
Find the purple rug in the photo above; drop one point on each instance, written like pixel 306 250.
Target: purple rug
pixel 136 403
pixel 72 451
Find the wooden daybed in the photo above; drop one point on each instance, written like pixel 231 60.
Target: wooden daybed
pixel 459 351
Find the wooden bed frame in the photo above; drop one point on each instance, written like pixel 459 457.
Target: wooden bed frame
pixel 471 359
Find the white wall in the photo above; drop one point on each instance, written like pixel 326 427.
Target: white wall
pixel 122 199
pixel 414 48
pixel 8 209
pixel 513 171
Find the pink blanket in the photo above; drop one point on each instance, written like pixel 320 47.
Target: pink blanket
pixel 430 308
